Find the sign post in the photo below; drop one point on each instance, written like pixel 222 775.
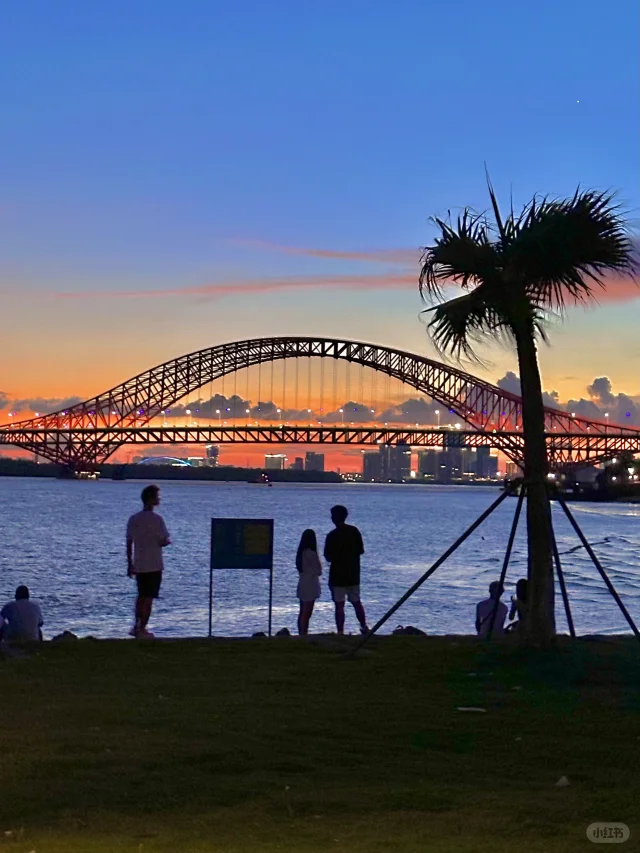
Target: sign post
pixel 241 543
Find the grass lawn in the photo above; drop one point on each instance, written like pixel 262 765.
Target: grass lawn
pixel 287 745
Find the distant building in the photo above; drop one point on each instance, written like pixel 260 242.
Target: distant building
pixel 451 464
pixel 428 461
pixel 213 455
pixel 164 460
pixel 197 461
pixel 275 461
pixel 483 456
pixel 493 466
pixel 314 461
pixel 395 462
pixel 371 466
pixel 297 464
pixel 512 470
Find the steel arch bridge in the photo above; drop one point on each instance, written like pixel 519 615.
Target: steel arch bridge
pixel 85 435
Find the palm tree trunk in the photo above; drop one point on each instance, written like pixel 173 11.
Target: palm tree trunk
pixel 540 619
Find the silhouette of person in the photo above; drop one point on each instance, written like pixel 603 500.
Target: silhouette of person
pixel 342 550
pixel 485 610
pixel 22 618
pixel 519 605
pixel 147 535
pixel 309 568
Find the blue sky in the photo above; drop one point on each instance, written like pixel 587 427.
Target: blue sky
pixel 170 146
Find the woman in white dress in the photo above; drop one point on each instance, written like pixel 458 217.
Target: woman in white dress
pixel 309 568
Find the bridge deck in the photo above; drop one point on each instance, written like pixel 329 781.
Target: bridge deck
pixel 564 447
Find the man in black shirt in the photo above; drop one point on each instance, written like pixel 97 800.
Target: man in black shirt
pixel 342 551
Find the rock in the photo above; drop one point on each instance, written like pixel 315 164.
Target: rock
pixel 64 637
pixel 283 632
pixel 259 634
pixel 563 782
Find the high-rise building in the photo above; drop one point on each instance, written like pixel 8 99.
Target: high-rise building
pixel 483 455
pixel 212 453
pixel 275 461
pixel 512 469
pixel 493 466
pixel 469 462
pixel 371 466
pixel 395 463
pixel 297 464
pixel 314 461
pixel 428 461
pixel 451 464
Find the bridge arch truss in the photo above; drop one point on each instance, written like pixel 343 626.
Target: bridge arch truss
pixel 88 433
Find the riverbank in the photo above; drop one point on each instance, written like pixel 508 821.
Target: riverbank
pixel 287 744
pixel 183 473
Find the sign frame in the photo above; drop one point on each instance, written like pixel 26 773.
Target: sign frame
pixel 230 556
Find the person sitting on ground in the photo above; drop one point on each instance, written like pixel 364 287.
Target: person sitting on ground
pixel 518 605
pixel 486 609
pixel 21 619
pixel 309 568
pixel 342 550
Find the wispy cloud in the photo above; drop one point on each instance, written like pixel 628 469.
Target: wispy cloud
pixel 404 277
pixel 406 256
pixel 258 287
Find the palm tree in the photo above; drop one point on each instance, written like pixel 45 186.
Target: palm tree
pixel 515 271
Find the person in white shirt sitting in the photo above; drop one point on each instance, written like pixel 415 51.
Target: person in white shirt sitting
pixel 309 568
pixel 486 609
pixel 21 619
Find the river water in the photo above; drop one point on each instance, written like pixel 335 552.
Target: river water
pixel 65 540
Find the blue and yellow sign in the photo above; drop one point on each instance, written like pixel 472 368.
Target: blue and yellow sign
pixel 241 543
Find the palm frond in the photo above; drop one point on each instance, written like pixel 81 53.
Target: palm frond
pixel 458 325
pixel 463 254
pixel 561 250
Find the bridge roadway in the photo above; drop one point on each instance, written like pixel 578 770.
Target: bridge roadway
pixel 565 448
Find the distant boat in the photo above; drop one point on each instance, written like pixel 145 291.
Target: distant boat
pixel 262 480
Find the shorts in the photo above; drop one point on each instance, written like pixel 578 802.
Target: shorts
pixel 149 584
pixel 340 593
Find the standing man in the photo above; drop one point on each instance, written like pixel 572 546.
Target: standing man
pixel 342 550
pixel 147 535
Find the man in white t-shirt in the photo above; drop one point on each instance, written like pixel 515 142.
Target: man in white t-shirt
pixel 486 609
pixel 22 618
pixel 147 535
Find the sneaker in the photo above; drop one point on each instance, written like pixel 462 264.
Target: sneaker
pixel 364 629
pixel 143 634
pixel 134 631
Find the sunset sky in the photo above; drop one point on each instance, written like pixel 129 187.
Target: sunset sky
pixel 179 174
